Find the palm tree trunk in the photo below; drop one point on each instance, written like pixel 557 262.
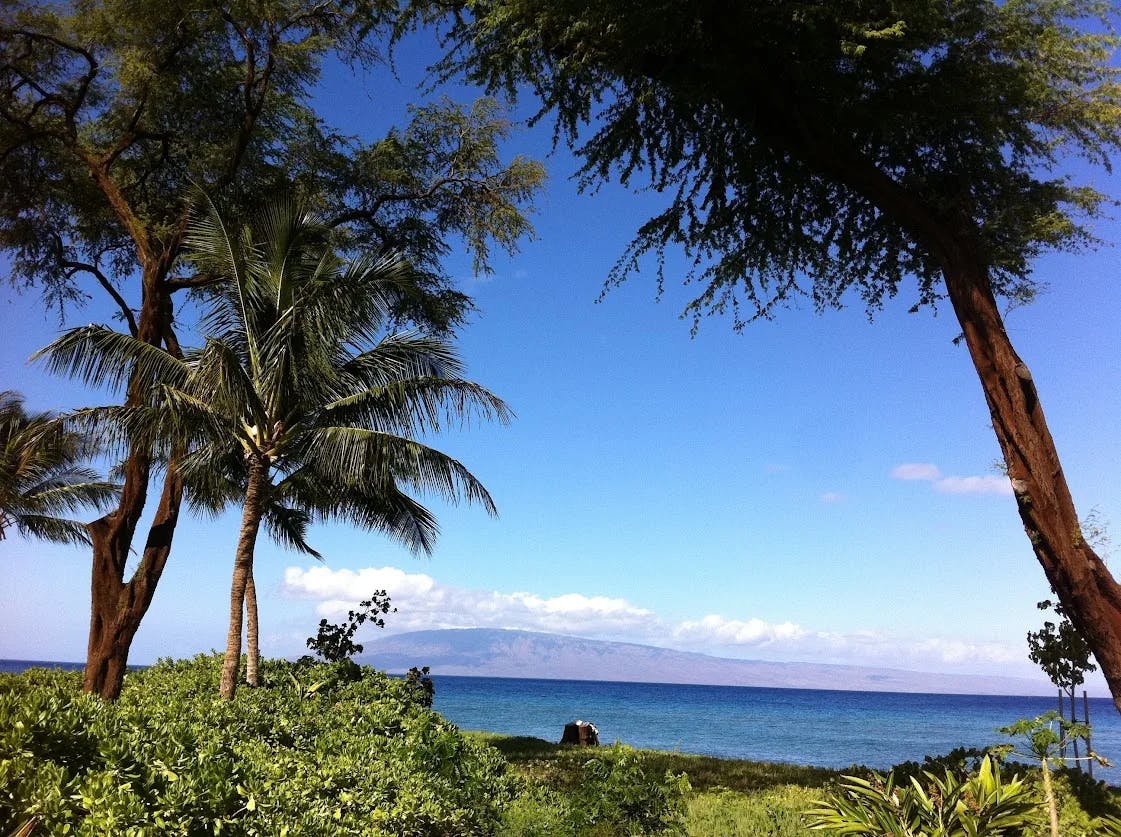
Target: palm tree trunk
pixel 253 651
pixel 1085 587
pixel 243 570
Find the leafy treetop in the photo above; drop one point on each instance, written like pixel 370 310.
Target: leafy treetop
pixel 110 110
pixel 770 125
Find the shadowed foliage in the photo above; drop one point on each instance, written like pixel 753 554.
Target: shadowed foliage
pixel 42 478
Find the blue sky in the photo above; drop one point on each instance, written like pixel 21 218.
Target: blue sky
pixel 819 487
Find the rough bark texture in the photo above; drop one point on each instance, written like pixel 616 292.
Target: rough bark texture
pixel 243 569
pixel 117 606
pixel 1080 579
pixel 252 648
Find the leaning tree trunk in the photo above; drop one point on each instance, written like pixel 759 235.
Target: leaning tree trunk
pixel 252 648
pixel 1083 584
pixel 251 516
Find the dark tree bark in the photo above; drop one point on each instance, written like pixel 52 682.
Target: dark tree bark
pixel 117 607
pixel 1085 587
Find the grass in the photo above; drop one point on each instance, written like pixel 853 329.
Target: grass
pixel 730 796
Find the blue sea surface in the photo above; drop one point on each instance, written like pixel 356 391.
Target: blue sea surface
pixel 800 726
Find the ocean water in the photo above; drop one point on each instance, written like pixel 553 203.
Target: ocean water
pixel 800 726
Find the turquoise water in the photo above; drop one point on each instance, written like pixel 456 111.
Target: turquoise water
pixel 801 726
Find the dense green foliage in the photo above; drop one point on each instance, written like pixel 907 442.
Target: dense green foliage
pixel 804 140
pixel 321 749
pixel 42 476
pixel 732 797
pixel 727 796
pixel 614 791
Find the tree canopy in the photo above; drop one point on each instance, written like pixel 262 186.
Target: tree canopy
pixel 113 111
pixel 772 127
pixel 109 111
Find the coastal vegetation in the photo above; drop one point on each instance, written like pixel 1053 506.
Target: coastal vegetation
pixel 799 143
pixel 337 748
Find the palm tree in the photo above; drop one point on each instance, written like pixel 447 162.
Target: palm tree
pixel 41 477
pixel 299 405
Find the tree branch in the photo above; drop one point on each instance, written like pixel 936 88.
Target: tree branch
pixel 74 267
pixel 368 213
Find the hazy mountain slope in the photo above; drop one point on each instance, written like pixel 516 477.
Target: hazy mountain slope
pixel 486 652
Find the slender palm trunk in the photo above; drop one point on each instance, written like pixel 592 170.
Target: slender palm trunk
pixel 253 650
pixel 1085 587
pixel 243 570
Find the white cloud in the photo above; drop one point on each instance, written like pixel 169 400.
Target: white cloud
pixel 831 498
pixel 424 603
pixel 915 471
pixel 714 629
pixel 973 485
pixel 926 472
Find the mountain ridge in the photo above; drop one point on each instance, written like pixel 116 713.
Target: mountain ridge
pixel 500 652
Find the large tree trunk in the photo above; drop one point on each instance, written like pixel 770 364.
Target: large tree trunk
pixel 1083 584
pixel 116 606
pixel 252 648
pixel 251 516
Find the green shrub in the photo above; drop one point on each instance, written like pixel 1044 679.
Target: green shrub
pixel 982 804
pixel 322 749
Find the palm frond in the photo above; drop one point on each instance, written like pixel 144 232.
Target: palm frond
pixel 54 529
pixel 356 456
pixel 417 406
pixel 288 527
pixel 100 356
pixel 404 355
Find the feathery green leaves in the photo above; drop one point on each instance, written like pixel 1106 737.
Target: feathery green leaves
pixel 41 478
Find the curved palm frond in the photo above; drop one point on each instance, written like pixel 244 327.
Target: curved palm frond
pixel 404 355
pixel 41 477
pixel 288 527
pixel 54 529
pixel 354 456
pixel 376 508
pixel 417 406
pixel 100 356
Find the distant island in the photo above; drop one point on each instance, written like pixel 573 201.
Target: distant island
pixel 490 652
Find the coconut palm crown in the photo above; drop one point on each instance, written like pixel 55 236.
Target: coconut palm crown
pixel 42 480
pixel 299 404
